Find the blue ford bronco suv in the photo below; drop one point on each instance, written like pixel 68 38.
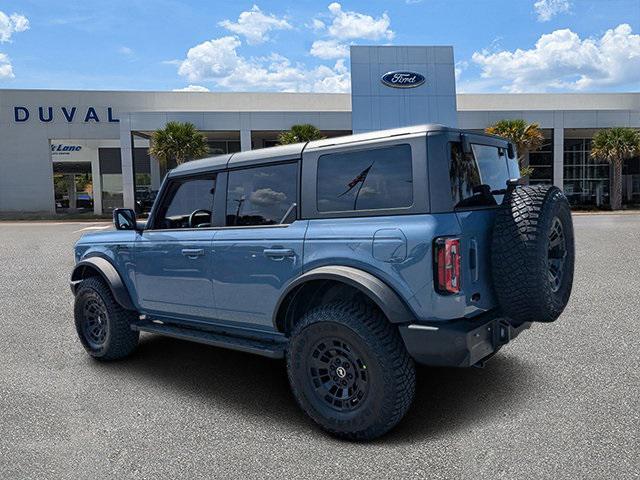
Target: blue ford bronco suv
pixel 352 258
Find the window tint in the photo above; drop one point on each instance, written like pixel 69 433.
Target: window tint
pixel 262 195
pixel 365 180
pixel 512 164
pixel 494 170
pixel 185 197
pixel 464 176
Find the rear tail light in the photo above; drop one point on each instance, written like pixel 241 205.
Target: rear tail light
pixel 447 265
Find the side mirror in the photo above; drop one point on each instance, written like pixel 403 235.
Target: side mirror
pixel 511 151
pixel 124 219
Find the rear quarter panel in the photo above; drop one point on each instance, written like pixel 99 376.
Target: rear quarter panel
pixel 397 249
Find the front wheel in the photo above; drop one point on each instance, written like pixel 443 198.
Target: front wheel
pixel 350 371
pixel 103 326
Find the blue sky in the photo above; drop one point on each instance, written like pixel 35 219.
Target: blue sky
pixel 500 45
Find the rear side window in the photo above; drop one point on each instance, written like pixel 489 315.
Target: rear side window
pixel 262 195
pixel 474 177
pixel 464 175
pixel 375 179
pixel 494 170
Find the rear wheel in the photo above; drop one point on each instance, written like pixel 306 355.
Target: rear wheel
pixel 350 371
pixel 103 326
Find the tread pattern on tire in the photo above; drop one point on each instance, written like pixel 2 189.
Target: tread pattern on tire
pixel 122 340
pixel 385 344
pixel 519 255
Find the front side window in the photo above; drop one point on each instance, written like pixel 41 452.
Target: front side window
pixel 380 178
pixel 262 195
pixel 188 203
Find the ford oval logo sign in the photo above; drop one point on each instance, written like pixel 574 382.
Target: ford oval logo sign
pixel 402 79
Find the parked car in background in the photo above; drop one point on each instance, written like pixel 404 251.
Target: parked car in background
pixel 144 199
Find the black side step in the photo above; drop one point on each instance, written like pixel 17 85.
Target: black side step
pixel 271 349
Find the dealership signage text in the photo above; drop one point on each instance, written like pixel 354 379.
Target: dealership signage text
pixel 62 149
pixel 68 114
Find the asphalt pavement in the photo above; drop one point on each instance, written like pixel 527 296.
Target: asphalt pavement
pixel 562 401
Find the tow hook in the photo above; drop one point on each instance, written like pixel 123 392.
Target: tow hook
pixel 504 332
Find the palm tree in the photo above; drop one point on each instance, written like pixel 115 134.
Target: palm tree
pixel 300 133
pixel 526 137
pixel 615 145
pixel 179 142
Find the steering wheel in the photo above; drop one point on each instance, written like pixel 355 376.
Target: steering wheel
pixel 193 215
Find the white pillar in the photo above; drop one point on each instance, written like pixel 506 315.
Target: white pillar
pixel 126 155
pixel 558 155
pixel 245 139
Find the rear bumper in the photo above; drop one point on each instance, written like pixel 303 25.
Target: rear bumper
pixel 458 343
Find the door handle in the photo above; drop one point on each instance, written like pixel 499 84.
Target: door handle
pixel 279 252
pixel 193 252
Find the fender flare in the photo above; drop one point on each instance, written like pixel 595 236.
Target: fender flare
pixel 378 291
pixel 109 274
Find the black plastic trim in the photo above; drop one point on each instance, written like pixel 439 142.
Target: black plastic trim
pixel 109 274
pixel 459 343
pixel 216 339
pixel 379 292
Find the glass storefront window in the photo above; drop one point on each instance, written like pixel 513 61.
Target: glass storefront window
pixel 586 180
pixel 111 191
pixel 221 147
pixel 73 187
pixel 146 191
pixel 542 162
pixel 111 177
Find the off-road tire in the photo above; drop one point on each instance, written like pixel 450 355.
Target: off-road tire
pixel 119 340
pixel 390 371
pixel 523 264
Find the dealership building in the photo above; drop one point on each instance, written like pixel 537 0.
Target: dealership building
pixel 87 151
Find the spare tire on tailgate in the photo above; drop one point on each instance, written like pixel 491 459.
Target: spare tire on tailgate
pixel 533 254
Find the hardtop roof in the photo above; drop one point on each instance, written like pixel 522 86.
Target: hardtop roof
pixel 289 152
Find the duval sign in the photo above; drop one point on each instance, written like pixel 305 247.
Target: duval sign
pixel 402 79
pixel 68 114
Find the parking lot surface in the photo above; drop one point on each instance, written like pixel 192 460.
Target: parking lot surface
pixel 562 401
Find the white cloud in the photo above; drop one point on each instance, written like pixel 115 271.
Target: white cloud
pixel 6 70
pixel 211 59
pixel 460 67
pixel 368 192
pixel 345 26
pixel 328 49
pixel 126 51
pixel 192 88
pixel 254 25
pixel 348 25
pixel 561 60
pixel 218 61
pixel 266 197
pixel 10 24
pixel 547 9
pixel 317 25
